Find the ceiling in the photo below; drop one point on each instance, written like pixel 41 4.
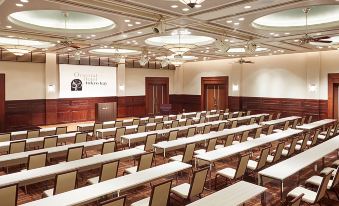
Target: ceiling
pixel 279 23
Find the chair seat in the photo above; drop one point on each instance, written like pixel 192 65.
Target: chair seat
pixel 326 170
pixel 219 146
pixel 263 135
pixel 143 202
pixel 250 138
pixel 284 152
pixel 321 137
pixel 297 147
pixel 308 143
pixel 316 180
pixel 140 147
pixel 252 165
pixel 309 196
pixel 90 134
pixel 176 158
pixel 277 130
pixel 48 193
pixel 131 170
pixel 336 163
pixel 200 151
pixel 93 180
pixel 181 190
pixel 227 172
pixel 235 142
pixel 270 158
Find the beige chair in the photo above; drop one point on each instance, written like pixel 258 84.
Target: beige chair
pixel 49 142
pixel 334 131
pixel 302 121
pixel 145 162
pixel 313 141
pixel 221 126
pixel 136 122
pixel 261 119
pixel 270 130
pixel 159 126
pixel 295 201
pixel 202 119
pixel 210 146
pixel 159 196
pixel 253 165
pixel 80 137
pixel 277 153
pixel 221 117
pixel 118 133
pixel 64 182
pixel 270 117
pixel 191 131
pixel 118 201
pixel 6 137
pixel 256 135
pixel 119 124
pixel 309 119
pixel 230 115
pixel 278 115
pixel 227 110
pixel 173 135
pixel 33 133
pixel 248 113
pixel 286 125
pixel 108 171
pixel 61 130
pixel 322 138
pixel 243 138
pixel 234 124
pixel 196 188
pixel 234 174
pixel 240 114
pixel 311 197
pixel 175 124
pixel 295 123
pixel 37 160
pixel 141 128
pixel 187 156
pixel 252 121
pixel 189 122
pixel 148 146
pixel 108 125
pixel 151 120
pixel 95 128
pixel 74 153
pixel 17 146
pixel 228 142
pixel 207 129
pixel 291 149
pixel 9 195
pixel 108 147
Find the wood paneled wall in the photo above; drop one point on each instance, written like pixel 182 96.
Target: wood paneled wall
pixel 2 102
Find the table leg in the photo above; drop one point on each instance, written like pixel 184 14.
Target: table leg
pixel 129 143
pixel 263 199
pixel 210 183
pixel 282 190
pixel 164 153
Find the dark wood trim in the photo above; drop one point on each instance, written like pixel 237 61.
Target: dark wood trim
pixel 2 102
pixel 333 79
pixel 149 82
pixel 221 80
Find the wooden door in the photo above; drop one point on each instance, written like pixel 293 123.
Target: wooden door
pixel 214 93
pixel 157 93
pixel 2 102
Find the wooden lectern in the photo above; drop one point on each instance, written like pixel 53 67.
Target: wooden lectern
pixel 105 111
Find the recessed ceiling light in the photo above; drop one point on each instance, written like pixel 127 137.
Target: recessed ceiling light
pixel 185 9
pixel 105 46
pixel 247 7
pixel 88 37
pixel 287 33
pixel 79 35
pixel 318 33
pixel 229 21
pixel 174 6
pixel 69 49
pixel 276 35
pixel 296 40
pixel 232 41
pixel 10 36
pixel 320 47
pixel 272 33
pixel 24 1
pixel 127 20
pixel 137 22
pixel 8 27
pixel 128 42
pixel 135 43
pixel 198 6
pixel 241 19
pixel 236 23
pixel 227 40
pixel 139 32
pixel 93 35
pixel 124 35
pixel 19 5
pixel 129 24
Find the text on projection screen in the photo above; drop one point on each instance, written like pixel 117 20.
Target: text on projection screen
pixel 87 81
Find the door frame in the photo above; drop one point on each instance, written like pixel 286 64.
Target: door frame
pixel 149 81
pixel 333 79
pixel 219 80
pixel 2 102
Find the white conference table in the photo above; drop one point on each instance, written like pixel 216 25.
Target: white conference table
pixel 182 142
pixel 139 137
pixel 282 170
pixel 317 124
pixel 21 157
pixel 37 141
pixel 247 118
pixel 43 132
pixel 28 177
pixel 93 192
pixel 280 121
pixel 233 195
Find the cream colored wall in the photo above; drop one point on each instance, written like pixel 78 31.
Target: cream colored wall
pixel 24 80
pixel 135 80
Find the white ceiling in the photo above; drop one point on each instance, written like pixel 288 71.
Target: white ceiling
pixel 134 20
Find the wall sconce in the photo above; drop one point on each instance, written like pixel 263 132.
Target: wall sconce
pixel 235 87
pixel 51 88
pixel 312 87
pixel 121 87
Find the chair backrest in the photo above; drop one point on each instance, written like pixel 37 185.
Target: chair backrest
pixel 335 179
pixel 109 171
pixel 287 123
pixel 166 118
pixel 328 133
pixel 323 186
pixel 335 129
pixel 221 117
pixel 175 123
pixel 258 132
pixel 221 126
pixel 252 120
pixel 207 129
pixel 198 182
pixel 136 122
pixel 51 141
pixel 292 146
pixel 261 119
pixel 159 126
pixel 189 122
pixel 295 122
pixel 108 125
pixel 145 161
pixel 278 115
pixel 202 119
pixel 65 182
pixel 96 127
pixel 244 136
pixel 315 137
pixel 61 130
pixel 74 153
pixel 108 147
pixel 150 140
pixel 191 131
pixel 230 115
pixel 229 140
pixel 118 133
pixel 118 124
pixel 208 113
pixel 242 165
pixel 118 201
pixel 37 160
pixel 188 154
pixel 227 110
pixel 309 119
pixel 296 201
pixel 263 157
pixel 270 117
pixel 9 195
pixel 17 146
pixel 5 137
pixel 248 113
pixel 302 121
pixel 239 114
pixel 270 129
pixel 160 194
pixel 278 151
pixel 234 124
pixel 80 137
pixel 141 128
pixel 304 143
pixel 33 133
pixel 173 135
pixel 211 144
pixel 151 120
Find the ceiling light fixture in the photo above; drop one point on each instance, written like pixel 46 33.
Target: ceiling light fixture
pixel 18 50
pixel 174 6
pixel 8 27
pixel 19 5
pixel 24 1
pixel 247 7
pixel 185 9
pixel 192 3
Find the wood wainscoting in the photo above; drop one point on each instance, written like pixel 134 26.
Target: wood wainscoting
pixel 2 102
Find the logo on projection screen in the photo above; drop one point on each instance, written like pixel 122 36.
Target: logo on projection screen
pixel 76 85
